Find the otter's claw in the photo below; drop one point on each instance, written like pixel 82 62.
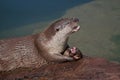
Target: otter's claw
pixel 73 52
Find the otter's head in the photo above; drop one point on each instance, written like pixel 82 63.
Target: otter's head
pixel 63 27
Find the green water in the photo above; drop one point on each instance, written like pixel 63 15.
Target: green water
pixel 100 29
pixel 116 40
pixel 21 17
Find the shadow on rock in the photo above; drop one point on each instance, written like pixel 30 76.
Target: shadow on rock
pixel 84 69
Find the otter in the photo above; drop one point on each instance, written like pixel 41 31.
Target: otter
pixel 39 49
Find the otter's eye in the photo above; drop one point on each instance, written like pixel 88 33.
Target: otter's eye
pixel 57 29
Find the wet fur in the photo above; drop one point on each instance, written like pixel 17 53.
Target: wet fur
pixel 35 50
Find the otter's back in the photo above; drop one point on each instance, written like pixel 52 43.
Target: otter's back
pixel 18 52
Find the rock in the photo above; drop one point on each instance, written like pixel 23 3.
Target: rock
pixel 84 69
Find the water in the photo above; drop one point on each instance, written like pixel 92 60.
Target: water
pixel 100 29
pixel 16 13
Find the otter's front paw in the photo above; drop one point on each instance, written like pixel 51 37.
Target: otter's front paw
pixel 73 52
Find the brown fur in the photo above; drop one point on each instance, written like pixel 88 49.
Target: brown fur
pixel 35 50
pixel 14 53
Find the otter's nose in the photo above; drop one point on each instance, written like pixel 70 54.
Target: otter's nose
pixel 75 19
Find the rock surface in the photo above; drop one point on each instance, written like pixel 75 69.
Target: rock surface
pixel 84 69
